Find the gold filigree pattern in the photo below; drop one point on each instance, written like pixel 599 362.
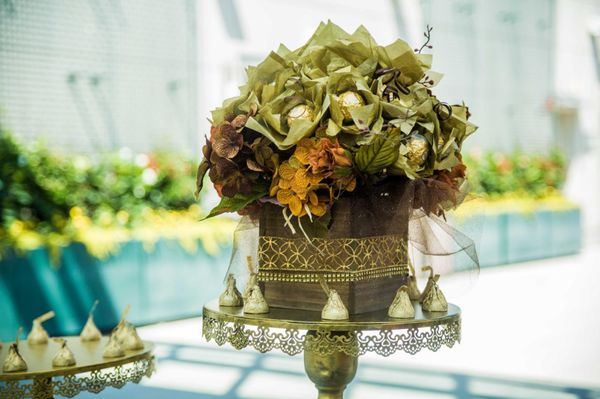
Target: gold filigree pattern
pixel 338 260
pixel 291 341
pixel 74 384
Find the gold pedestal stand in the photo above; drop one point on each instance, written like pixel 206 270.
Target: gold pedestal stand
pixel 92 373
pixel 331 348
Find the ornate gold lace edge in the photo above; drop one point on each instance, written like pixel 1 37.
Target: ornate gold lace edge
pixel 384 342
pixel 71 385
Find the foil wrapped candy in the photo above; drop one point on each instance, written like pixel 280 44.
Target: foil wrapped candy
pixel 334 309
pixel 256 303
pixel 433 299
pixel 90 332
pixel 38 335
pixel 124 337
pixel 64 357
pixel 401 307
pixel 231 297
pixel 113 348
pixel 349 101
pixel 14 362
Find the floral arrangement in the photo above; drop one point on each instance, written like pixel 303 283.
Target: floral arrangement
pixel 337 115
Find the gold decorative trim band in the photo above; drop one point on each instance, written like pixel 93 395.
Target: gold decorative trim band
pixel 355 258
pixel 341 277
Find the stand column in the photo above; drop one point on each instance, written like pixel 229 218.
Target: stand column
pixel 330 373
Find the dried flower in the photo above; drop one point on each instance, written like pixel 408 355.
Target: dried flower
pixel 308 181
pixel 226 140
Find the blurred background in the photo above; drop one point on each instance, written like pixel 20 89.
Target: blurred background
pixel 103 112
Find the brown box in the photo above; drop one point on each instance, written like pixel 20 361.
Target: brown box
pixel 362 255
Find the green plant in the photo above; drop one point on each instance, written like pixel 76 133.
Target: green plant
pixel 51 200
pixel 534 175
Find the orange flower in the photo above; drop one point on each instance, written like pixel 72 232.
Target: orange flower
pixel 313 169
pixel 296 187
pixel 325 155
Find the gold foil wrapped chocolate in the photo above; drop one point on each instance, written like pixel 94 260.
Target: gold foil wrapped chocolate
pixel 14 362
pixel 430 281
pixel 348 101
pixel 120 331
pixel 413 289
pixel 433 299
pixel 231 297
pixel 131 341
pixel 256 303
pixel 125 335
pixel 418 150
pixel 38 335
pixel 401 307
pixel 113 348
pixel 90 332
pixel 334 309
pixel 64 357
pixel 301 111
pixel 252 281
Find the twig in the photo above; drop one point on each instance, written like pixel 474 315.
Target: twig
pixel 427 35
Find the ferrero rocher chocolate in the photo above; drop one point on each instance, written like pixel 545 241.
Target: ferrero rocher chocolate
pixel 301 111
pixel 418 150
pixel 348 101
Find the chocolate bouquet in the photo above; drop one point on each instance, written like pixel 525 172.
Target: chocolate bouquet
pixel 335 147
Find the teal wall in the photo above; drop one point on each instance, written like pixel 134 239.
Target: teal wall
pixel 166 283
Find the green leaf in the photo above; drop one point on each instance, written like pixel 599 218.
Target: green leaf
pixel 239 201
pixel 202 169
pixel 381 153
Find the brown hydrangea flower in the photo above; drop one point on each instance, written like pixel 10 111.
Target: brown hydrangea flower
pixel 228 179
pixel 226 140
pixel 233 164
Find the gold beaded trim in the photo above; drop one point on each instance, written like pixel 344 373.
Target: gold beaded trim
pixel 311 277
pixel 342 259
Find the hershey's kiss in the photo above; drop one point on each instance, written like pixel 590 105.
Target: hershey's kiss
pixel 64 357
pixel 300 111
pixel 14 361
pixel 402 307
pixel 348 101
pixel 334 309
pixel 113 348
pixel 38 335
pixel 418 150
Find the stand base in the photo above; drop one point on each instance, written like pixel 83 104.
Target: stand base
pixel 330 373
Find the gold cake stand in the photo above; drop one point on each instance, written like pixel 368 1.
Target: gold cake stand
pixel 92 373
pixel 331 348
